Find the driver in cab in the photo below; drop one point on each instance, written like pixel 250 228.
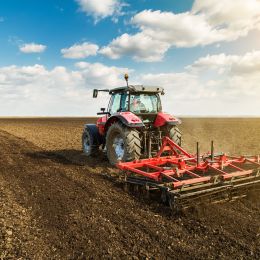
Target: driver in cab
pixel 136 105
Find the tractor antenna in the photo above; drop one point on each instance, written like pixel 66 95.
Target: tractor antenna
pixel 126 79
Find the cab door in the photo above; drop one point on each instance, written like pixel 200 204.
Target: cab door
pixel 114 104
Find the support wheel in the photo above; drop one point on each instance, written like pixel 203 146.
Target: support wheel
pixel 122 143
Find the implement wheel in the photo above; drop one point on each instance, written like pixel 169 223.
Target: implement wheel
pixel 122 143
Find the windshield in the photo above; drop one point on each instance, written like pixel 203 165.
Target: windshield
pixel 144 103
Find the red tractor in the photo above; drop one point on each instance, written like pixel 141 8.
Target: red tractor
pixel 133 125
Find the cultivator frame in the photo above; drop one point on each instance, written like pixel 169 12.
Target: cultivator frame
pixel 185 179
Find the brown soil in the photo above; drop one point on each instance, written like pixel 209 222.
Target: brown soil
pixel 57 204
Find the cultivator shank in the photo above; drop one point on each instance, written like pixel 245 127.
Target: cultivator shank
pixel 185 179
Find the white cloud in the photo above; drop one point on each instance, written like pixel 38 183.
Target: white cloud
pixel 236 76
pixel 175 29
pixel 101 9
pixel 213 85
pixel 248 63
pixel 35 90
pixel 80 51
pixel 32 48
pixel 232 18
pixel 138 46
pixel 179 86
pixel 101 76
pixel 208 22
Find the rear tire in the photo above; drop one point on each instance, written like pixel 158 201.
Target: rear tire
pixel 174 134
pixel 122 143
pixel 88 146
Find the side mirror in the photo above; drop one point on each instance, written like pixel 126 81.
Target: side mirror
pixel 95 93
pixel 102 109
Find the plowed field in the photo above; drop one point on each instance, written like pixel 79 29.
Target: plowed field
pixel 57 204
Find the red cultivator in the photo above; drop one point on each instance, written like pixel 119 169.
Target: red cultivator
pixel 185 179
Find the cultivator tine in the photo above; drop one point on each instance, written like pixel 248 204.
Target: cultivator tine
pixel 212 150
pixel 126 188
pixel 185 180
pixel 198 154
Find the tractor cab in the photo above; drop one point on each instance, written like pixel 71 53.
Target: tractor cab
pixel 135 99
pixel 143 101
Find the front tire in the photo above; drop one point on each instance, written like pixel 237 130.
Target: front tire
pixel 122 143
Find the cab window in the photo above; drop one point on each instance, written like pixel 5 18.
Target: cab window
pixel 145 103
pixel 124 102
pixel 115 103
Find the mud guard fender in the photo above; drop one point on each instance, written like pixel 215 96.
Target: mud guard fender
pixel 127 118
pixel 166 119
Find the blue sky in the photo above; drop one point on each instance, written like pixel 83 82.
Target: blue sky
pixel 60 24
pixel 54 52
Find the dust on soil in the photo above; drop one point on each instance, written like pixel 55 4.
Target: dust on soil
pixel 57 204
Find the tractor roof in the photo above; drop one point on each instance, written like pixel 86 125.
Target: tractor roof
pixel 138 89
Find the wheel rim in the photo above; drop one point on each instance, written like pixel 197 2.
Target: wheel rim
pixel 118 144
pixel 86 144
